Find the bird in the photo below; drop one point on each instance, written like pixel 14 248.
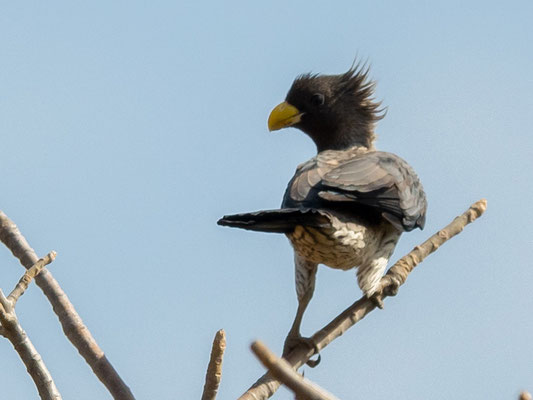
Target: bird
pixel 347 206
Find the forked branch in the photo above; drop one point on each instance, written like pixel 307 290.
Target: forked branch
pixel 12 330
pixel 71 322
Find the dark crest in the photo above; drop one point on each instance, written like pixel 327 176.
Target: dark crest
pixel 355 82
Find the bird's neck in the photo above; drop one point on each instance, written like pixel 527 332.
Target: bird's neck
pixel 342 139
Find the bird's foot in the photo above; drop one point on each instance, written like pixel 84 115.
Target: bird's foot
pixel 390 288
pixel 377 299
pixel 294 340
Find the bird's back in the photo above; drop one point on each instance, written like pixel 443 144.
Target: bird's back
pixel 367 186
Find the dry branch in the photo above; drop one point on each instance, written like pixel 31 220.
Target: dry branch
pixel 283 371
pixel 214 369
pixel 29 275
pixel 71 322
pixel 396 276
pixel 12 330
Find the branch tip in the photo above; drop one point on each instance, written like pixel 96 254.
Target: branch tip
pixel 214 368
pixel 524 396
pixel 29 275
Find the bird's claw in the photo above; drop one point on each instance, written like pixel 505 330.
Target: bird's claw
pixel 390 288
pixel 377 299
pixel 293 341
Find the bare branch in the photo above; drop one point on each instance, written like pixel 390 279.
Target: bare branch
pixel 397 274
pixel 12 330
pixel 28 276
pixel 214 369
pixel 284 372
pixel 73 327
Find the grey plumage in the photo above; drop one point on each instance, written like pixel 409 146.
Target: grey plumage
pixel 356 177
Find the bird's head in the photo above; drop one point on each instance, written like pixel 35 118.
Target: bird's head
pixel 336 111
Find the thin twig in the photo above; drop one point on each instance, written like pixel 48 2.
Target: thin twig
pixel 214 369
pixel 283 371
pixel 267 385
pixel 73 327
pixel 28 276
pixel 12 330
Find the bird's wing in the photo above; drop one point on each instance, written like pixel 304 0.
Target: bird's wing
pixel 380 180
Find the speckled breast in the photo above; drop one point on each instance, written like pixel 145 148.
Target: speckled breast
pixel 342 246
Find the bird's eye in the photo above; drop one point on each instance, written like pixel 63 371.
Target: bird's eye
pixel 317 99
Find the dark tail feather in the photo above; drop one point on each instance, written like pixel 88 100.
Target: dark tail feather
pixel 278 221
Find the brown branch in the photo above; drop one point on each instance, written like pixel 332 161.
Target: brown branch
pixel 12 330
pixel 397 274
pixel 214 369
pixel 283 371
pixel 28 276
pixel 71 322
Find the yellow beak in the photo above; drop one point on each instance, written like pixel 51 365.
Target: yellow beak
pixel 283 115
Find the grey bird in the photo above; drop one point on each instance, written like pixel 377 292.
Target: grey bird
pixel 347 206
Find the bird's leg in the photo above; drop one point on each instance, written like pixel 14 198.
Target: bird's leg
pixel 294 337
pixel 305 273
pixel 370 273
pixel 369 276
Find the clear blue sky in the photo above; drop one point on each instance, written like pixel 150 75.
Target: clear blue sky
pixel 129 128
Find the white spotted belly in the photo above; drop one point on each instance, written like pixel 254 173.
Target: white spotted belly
pixel 342 247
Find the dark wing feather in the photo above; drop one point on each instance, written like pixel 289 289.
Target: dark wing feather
pixel 379 180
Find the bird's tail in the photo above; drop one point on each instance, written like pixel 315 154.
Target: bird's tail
pixel 278 221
